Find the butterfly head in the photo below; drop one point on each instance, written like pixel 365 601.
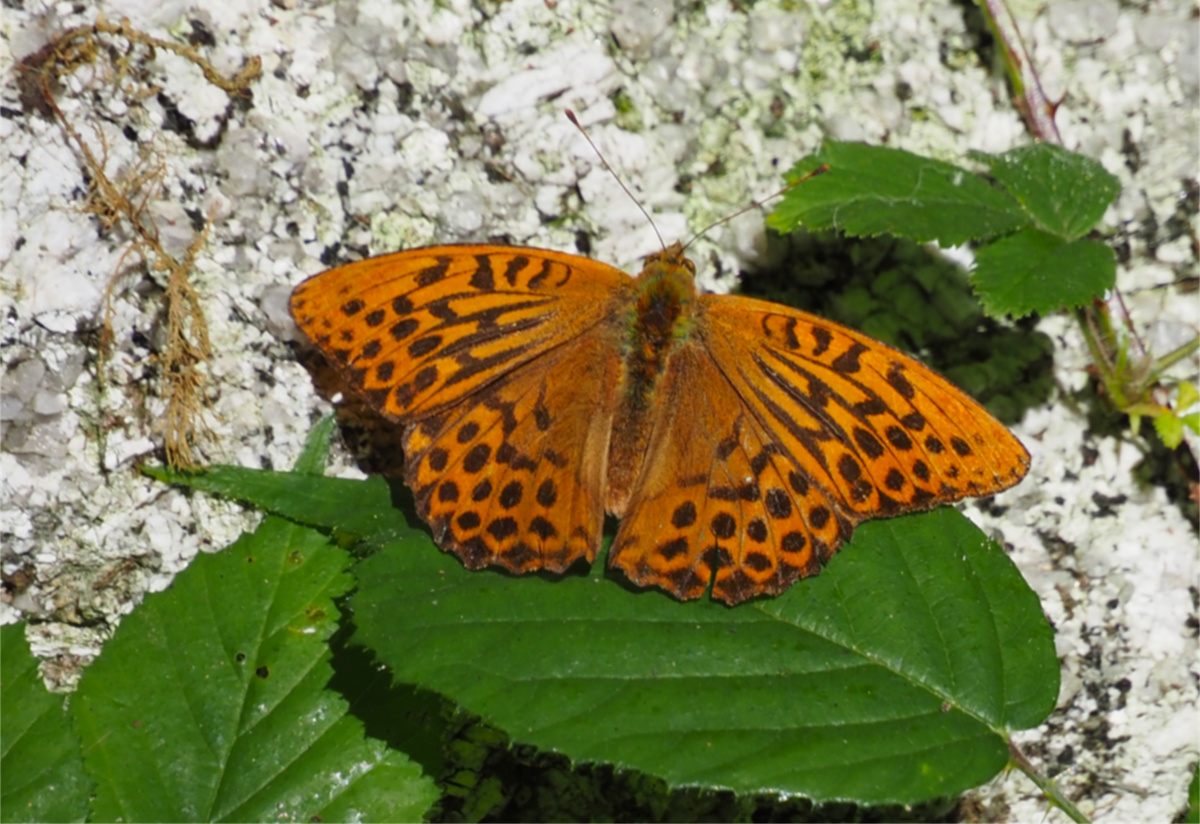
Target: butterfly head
pixel 666 289
pixel 670 271
pixel 670 256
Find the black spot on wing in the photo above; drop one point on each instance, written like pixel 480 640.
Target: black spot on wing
pixel 896 379
pixel 684 515
pixel 823 338
pixel 514 268
pixel 847 363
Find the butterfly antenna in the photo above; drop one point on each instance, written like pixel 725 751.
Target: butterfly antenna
pixel 756 204
pixel 617 177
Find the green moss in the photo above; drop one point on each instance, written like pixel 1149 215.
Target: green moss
pixel 629 116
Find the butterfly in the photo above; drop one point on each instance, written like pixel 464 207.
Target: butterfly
pixel 739 441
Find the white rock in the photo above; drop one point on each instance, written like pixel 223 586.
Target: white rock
pixel 637 24
pixel 25 379
pixel 1080 21
pixel 547 76
pixel 49 403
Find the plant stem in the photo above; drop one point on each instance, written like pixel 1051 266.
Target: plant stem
pixel 1046 785
pixel 1027 86
pixel 1175 355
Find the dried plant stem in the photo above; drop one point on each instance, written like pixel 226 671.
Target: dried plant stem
pixel 124 202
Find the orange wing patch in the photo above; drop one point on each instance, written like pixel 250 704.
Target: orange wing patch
pixel 416 331
pixel 513 475
pixel 734 509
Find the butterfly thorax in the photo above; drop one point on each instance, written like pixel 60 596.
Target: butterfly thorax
pixel 659 320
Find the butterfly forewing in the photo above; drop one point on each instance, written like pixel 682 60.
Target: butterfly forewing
pixel 880 431
pixel 416 331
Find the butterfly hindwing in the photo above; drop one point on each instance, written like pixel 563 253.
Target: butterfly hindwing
pixel 719 498
pixel 512 475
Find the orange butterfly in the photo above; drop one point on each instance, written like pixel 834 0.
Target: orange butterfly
pixel 740 441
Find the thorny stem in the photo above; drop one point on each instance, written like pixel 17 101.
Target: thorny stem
pixel 1046 785
pixel 1177 354
pixel 1134 383
pixel 1031 100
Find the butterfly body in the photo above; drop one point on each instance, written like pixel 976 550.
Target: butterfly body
pixel 658 322
pixel 738 440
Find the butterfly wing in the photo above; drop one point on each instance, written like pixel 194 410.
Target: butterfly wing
pixel 821 428
pixel 501 363
pixel 717 492
pixel 415 332
pixel 512 475
pixel 886 431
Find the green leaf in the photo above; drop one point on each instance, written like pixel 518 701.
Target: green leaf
pixel 209 702
pixel 871 190
pixel 40 757
pixel 315 454
pixel 1034 271
pixel 1046 198
pixel 1193 807
pixel 1188 396
pixel 1065 193
pixel 356 508
pixel 894 676
pixel 1170 429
